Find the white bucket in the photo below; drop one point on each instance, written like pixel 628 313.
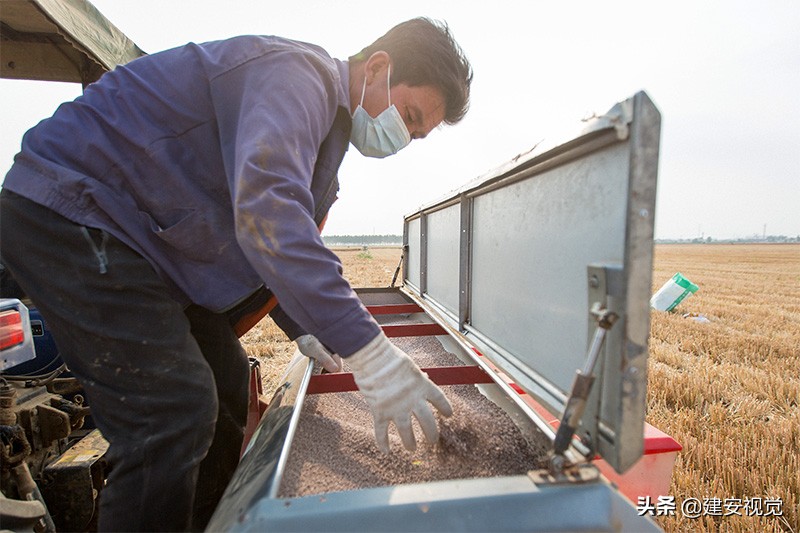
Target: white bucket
pixel 672 293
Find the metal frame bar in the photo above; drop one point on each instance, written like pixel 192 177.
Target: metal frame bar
pixel 631 370
pixel 412 330
pixel 423 253
pixel 441 375
pixel 393 309
pixel 464 275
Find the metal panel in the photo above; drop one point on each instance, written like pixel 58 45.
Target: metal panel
pixel 533 228
pixel 539 235
pixel 498 504
pixel 443 257
pixel 412 273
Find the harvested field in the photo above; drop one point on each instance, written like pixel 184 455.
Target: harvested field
pixel 727 390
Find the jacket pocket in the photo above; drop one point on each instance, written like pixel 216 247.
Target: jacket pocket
pixel 187 232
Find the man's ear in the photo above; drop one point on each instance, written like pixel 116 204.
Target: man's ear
pixel 376 65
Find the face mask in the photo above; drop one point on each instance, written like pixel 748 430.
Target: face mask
pixel 383 135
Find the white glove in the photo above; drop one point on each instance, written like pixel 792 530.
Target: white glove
pixel 312 348
pixel 395 388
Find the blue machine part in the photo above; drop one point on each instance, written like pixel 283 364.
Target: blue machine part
pixel 47 357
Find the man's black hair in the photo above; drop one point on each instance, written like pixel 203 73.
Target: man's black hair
pixel 424 52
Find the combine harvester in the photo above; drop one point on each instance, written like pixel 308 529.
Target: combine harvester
pixel 525 295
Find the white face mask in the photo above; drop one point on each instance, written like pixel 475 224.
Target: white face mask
pixel 383 135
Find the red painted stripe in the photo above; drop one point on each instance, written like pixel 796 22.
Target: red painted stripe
pixel 324 383
pixel 443 375
pixel 413 330
pixel 458 375
pixel 517 388
pixel 394 309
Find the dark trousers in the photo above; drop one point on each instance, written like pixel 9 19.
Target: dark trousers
pixel 167 386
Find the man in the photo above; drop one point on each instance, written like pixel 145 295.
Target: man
pixel 145 215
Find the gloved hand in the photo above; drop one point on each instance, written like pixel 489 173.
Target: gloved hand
pixel 395 388
pixel 312 348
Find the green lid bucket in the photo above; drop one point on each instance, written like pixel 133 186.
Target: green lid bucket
pixel 672 293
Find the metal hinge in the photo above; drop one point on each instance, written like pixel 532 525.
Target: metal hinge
pixel 584 378
pixel 580 473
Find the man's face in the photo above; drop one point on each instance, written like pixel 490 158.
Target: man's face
pixel 422 107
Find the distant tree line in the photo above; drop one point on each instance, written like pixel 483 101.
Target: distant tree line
pixel 397 240
pixel 363 240
pixel 744 240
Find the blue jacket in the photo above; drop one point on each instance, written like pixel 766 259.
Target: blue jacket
pixel 213 161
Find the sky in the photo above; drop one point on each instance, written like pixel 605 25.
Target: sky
pixel 725 76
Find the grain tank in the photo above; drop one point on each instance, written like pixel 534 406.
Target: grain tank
pixel 525 296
